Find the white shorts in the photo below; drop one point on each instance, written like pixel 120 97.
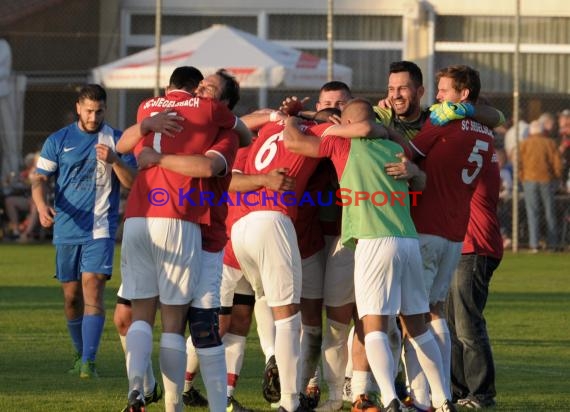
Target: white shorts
pixel 265 245
pixel 313 269
pixel 339 275
pixel 120 291
pixel 206 294
pixel 387 277
pixel 160 257
pixel 233 282
pixel 440 258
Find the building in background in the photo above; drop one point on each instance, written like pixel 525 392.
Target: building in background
pixel 56 43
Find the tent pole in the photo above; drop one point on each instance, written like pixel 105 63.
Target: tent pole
pixel 330 48
pixel 158 41
pixel 262 97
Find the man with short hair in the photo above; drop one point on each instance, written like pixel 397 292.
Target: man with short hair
pixel 173 272
pixel 88 173
pixel 452 156
pixel 387 258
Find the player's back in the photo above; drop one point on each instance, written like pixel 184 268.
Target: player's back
pixel 454 157
pixel 161 192
pixel 267 153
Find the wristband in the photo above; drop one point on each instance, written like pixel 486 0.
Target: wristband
pixel 273 116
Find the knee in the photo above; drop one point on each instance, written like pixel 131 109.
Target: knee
pixel 204 327
pixel 122 318
pixel 73 302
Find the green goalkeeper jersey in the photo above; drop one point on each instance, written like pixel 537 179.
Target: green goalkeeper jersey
pixel 407 129
pixel 387 211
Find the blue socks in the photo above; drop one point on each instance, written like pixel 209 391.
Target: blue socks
pixel 92 330
pixel 74 326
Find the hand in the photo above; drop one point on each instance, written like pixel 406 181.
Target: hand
pixel 404 169
pixel 278 180
pixel 334 118
pixel 385 103
pixel 46 215
pixel 443 113
pixel 105 153
pixel 292 105
pixel 166 122
pixel 148 157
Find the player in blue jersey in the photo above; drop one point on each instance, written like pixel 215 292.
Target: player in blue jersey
pixel 88 173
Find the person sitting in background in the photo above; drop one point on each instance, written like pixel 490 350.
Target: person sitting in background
pixel 18 201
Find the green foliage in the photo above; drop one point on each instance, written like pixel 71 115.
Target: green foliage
pixel 527 314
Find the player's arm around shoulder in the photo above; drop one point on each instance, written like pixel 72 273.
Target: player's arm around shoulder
pixel 297 141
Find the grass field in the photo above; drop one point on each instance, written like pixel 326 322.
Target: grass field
pixel 528 316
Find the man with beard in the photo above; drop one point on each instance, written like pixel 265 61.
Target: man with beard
pixel 88 173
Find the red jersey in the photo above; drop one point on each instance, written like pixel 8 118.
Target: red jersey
pixel 307 225
pixel 214 236
pixel 158 192
pixel 454 157
pixel 268 152
pixel 233 210
pixel 483 231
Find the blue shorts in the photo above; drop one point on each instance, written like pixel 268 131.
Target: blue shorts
pixel 95 256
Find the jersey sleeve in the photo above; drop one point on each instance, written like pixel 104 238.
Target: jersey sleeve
pixel 241 157
pixel 225 146
pixel 223 116
pixel 48 161
pixel 320 129
pixel 426 138
pixel 127 158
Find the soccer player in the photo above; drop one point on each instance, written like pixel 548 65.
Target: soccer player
pixel 237 296
pixel 157 213
pixel 265 244
pixel 387 259
pixel 166 123
pixel 453 157
pixel 88 173
pixel 401 111
pixel 333 286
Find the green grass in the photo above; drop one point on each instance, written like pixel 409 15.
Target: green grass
pixel 528 316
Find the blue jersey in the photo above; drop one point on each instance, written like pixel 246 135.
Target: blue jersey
pixel 87 192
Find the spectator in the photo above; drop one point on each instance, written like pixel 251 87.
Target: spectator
pixel 564 137
pixel 548 123
pixel 18 200
pixel 510 140
pixel 505 196
pixel 540 169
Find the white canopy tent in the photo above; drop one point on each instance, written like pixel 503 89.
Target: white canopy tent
pixel 255 62
pixel 12 90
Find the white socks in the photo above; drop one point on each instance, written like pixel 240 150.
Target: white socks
pixel 381 362
pixel 265 327
pixel 335 357
pixel 235 349
pixel 311 339
pixel 172 361
pixel 213 370
pixel 287 355
pixel 138 352
pixel 443 339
